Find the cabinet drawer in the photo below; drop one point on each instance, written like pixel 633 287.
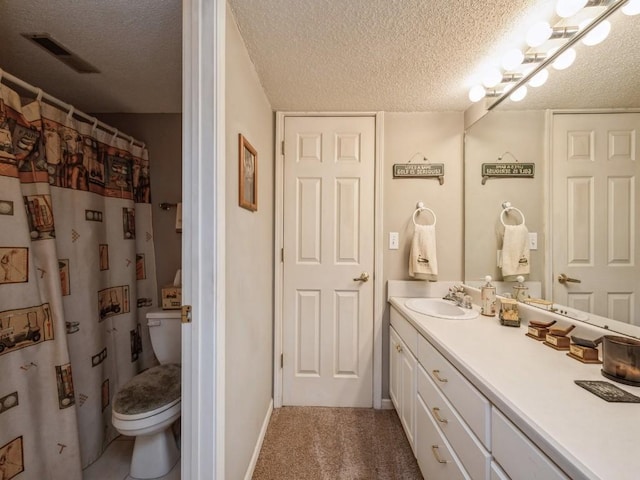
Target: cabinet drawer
pixel 472 406
pixel 406 331
pixel 517 455
pixel 475 459
pixel 435 456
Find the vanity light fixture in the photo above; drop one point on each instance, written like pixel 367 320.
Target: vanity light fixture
pixel 565 59
pixel 631 8
pixel 591 32
pixel 512 59
pixel 519 94
pixel 539 78
pixel 568 8
pixel 598 34
pixel 492 77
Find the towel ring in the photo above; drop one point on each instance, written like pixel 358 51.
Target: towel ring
pixel 419 209
pixel 506 210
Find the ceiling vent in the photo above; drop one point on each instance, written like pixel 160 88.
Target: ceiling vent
pixel 62 53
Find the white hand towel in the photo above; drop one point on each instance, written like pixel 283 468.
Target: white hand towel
pixel 515 252
pixel 423 263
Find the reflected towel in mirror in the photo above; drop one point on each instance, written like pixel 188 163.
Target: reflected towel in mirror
pixel 423 264
pixel 515 258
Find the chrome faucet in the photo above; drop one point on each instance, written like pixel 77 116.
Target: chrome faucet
pixel 457 295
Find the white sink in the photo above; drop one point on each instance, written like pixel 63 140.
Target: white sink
pixel 437 307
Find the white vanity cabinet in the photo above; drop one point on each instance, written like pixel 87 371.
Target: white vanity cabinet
pixel 402 373
pixel 454 430
pixel 517 455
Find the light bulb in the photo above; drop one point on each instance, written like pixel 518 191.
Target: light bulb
pixel 631 8
pixel 538 34
pixel 519 94
pixel 539 78
pixel 565 60
pixel 492 77
pixel 477 93
pixel 598 34
pixel 568 8
pixel 512 59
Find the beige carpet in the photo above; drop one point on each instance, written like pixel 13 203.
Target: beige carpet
pixel 316 443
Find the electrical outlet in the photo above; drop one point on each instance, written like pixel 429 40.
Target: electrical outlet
pixel 394 241
pixel 533 241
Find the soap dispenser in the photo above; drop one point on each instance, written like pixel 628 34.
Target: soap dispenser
pixel 520 291
pixel 488 298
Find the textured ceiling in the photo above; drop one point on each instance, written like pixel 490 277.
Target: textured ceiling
pixel 310 55
pixel 136 44
pixel 417 55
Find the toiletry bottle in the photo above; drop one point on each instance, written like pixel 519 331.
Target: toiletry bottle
pixel 488 298
pixel 520 291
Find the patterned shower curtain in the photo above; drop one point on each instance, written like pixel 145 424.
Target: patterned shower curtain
pixel 77 276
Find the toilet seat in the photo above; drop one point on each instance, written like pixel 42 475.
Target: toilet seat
pixel 149 391
pixel 144 425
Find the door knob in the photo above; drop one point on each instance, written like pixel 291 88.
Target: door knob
pixel 364 277
pixel 562 278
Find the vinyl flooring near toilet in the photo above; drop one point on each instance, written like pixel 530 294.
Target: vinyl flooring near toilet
pixel 114 463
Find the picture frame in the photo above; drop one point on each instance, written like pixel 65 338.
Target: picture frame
pixel 248 176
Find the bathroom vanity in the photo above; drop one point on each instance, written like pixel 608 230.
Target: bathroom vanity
pixel 482 401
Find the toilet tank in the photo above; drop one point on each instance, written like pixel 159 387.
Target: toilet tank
pixel 165 330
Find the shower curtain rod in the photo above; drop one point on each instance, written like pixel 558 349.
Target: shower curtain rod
pixel 68 107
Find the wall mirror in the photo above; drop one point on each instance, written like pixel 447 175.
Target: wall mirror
pixel 603 78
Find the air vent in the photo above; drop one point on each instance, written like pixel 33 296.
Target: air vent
pixel 62 53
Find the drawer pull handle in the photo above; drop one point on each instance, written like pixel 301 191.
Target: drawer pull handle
pixel 436 454
pixel 399 348
pixel 436 373
pixel 436 413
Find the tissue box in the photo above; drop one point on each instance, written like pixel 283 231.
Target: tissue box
pixel 171 298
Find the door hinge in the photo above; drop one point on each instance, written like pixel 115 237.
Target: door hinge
pixel 282 147
pixel 282 255
pixel 282 360
pixel 185 314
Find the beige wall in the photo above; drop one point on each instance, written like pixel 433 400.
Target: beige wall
pixel 163 135
pixel 522 134
pixel 439 137
pixel 249 260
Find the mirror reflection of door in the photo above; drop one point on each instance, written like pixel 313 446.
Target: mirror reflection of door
pixel 595 219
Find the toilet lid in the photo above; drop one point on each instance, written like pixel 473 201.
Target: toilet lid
pixel 149 390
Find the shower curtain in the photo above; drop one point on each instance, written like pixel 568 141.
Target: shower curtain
pixel 77 275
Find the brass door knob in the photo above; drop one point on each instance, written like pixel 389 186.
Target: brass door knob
pixel 364 277
pixel 562 278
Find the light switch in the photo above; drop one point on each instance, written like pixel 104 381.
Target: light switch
pixel 533 241
pixel 394 241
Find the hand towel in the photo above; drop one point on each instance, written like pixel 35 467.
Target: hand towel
pixel 515 252
pixel 423 263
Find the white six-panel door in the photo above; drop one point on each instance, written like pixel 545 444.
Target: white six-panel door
pixel 596 219
pixel 328 238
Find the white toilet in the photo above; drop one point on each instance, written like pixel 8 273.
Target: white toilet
pixel 147 405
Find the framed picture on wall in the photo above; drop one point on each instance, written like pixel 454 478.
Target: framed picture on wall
pixel 248 162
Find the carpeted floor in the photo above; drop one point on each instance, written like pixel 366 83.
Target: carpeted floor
pixel 317 443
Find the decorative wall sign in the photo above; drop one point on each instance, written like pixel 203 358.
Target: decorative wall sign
pixel 507 170
pixel 419 170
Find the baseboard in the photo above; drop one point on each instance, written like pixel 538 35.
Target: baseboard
pixel 387 404
pixel 256 451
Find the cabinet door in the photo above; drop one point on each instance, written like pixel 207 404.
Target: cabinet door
pixel 408 373
pixel 394 368
pixel 435 456
pixel 517 455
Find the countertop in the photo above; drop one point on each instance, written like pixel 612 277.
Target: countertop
pixel 533 385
